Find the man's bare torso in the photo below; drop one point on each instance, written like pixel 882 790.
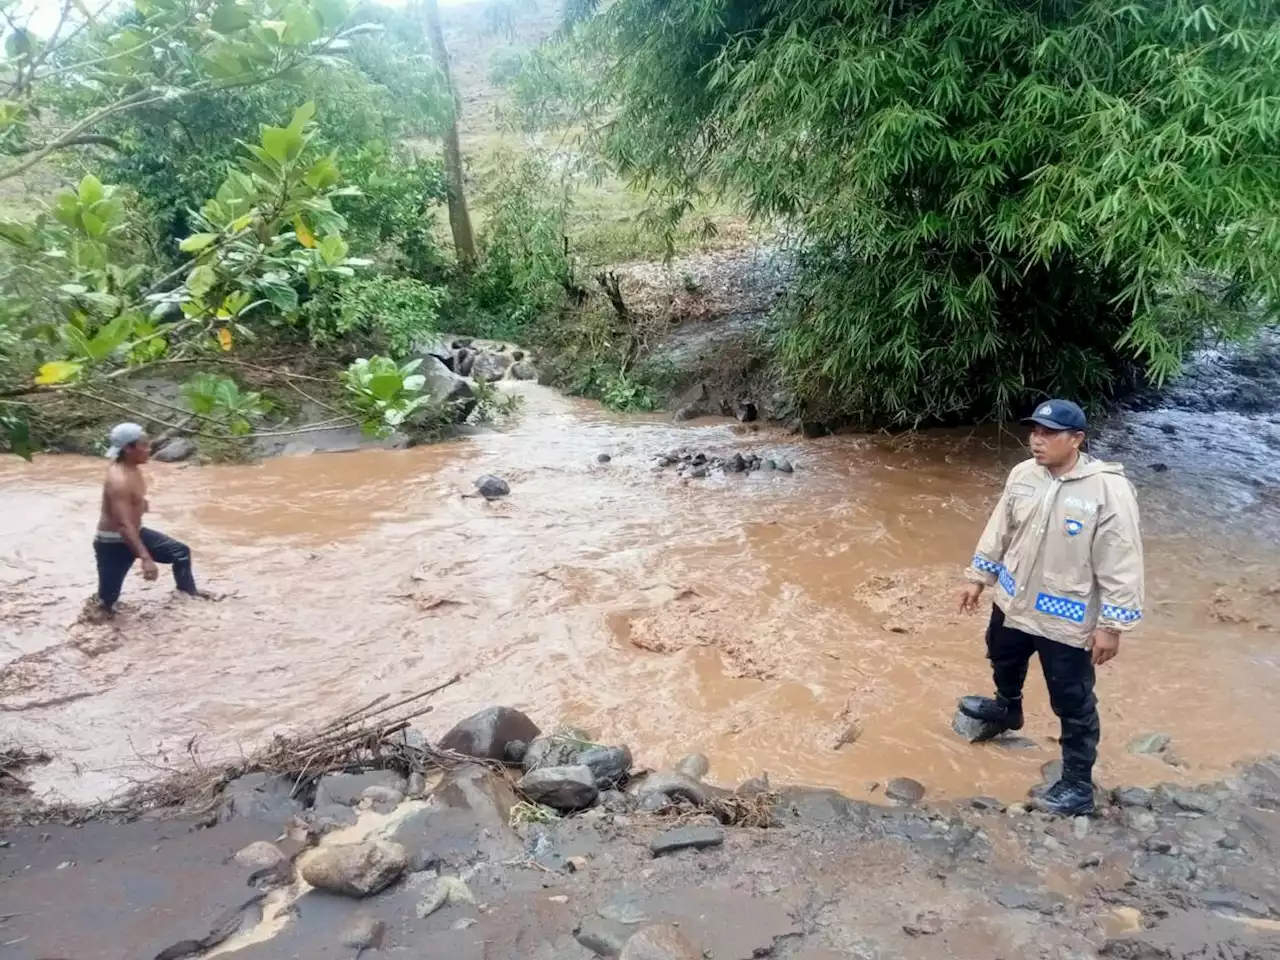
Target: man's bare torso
pixel 124 492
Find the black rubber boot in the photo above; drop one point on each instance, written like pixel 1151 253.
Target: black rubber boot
pixel 1066 798
pixel 997 709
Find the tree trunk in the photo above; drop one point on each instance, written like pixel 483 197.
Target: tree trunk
pixel 464 240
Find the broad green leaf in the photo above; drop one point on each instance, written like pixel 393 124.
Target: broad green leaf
pixel 302 116
pixel 385 386
pixel 229 18
pixel 275 141
pixel 333 248
pixel 90 191
pixel 201 280
pixel 281 295
pixel 57 371
pixel 197 242
pixel 93 226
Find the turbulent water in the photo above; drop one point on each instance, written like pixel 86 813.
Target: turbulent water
pixel 761 619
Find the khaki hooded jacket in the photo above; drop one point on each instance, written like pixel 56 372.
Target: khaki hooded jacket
pixel 1065 552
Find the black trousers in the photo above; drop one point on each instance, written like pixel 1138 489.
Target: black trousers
pixel 1068 673
pixel 115 558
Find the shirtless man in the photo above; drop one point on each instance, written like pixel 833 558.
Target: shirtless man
pixel 121 537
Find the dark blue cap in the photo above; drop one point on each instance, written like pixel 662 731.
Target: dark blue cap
pixel 1058 415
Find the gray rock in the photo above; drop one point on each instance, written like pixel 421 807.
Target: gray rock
pixel 555 750
pixel 926 924
pixel 1023 898
pixel 1149 744
pixel 735 464
pixel 1163 868
pixel 523 370
pixel 463 361
pixel 176 450
pixel 695 765
pixel 1080 827
pixel 655 803
pixel 417 785
pixel 684 838
pixel 690 411
pixel 445 890
pixel 753 786
pixel 615 801
pixel 904 790
pixel 745 412
pixel 986 803
pixel 1194 801
pixel 1132 796
pixel 609 765
pixel 260 855
pixel 422 860
pixel 436 349
pixel 381 796
pixel 347 789
pixel 659 943
pixel 487 734
pixel 492 487
pixel 490 366
pixel 330 817
pixel 355 869
pixel 604 938
pixel 1233 901
pixel 975 731
pixel 783 465
pixel 1090 860
pixel 363 932
pixel 603 458
pixel 1140 820
pixel 671 785
pixel 515 752
pixel 561 788
pixel 445 386
pixel 259 796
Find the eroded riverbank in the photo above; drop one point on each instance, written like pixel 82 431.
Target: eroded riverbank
pixel 754 617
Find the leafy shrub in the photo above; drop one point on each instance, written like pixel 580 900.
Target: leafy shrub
pixel 384 393
pixel 524 265
pixel 220 399
pixel 994 200
pixel 386 313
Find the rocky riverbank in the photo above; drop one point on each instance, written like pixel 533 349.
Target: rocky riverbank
pixel 515 843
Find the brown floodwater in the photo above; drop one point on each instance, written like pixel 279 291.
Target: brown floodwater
pixel 753 618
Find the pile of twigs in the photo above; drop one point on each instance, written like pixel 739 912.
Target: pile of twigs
pixel 372 737
pixel 13 758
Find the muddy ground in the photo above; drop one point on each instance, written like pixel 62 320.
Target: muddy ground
pixel 1168 873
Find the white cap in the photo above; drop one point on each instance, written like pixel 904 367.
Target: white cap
pixel 123 434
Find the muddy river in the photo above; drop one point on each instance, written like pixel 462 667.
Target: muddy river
pixel 754 618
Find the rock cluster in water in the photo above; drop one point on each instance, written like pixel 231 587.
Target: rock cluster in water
pixel 697 465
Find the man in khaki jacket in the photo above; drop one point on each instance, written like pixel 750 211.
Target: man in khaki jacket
pixel 1063 551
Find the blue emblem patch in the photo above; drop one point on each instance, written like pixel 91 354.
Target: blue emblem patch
pixel 1073 527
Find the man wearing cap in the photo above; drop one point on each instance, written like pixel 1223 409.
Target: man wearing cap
pixel 1064 553
pixel 121 537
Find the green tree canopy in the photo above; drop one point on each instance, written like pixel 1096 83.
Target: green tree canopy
pixel 994 198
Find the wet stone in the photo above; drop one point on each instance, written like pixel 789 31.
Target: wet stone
pixel 561 788
pixel 1140 820
pixel 488 734
pixel 491 487
pixel 685 838
pixel 260 856
pixel 609 765
pixel 1149 744
pixel 355 869
pixel 603 937
pixel 603 458
pixel 973 730
pixel 904 790
pixel 347 789
pixel 783 465
pixel 986 803
pixel 1023 898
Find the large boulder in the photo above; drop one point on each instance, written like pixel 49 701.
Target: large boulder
pixel 448 387
pixel 490 365
pixel 175 450
pixel 491 487
pixel 487 734
pixel 561 788
pixel 437 349
pixel 355 869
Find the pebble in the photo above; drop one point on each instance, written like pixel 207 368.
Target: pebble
pixel 602 936
pixel 1080 827
pixel 1132 796
pixel 382 795
pixel 926 924
pixel 1194 801
pixel 417 785
pixel 449 890
pixel 986 803
pixel 603 458
pixel 683 838
pixel 659 943
pixel 1090 860
pixel 904 790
